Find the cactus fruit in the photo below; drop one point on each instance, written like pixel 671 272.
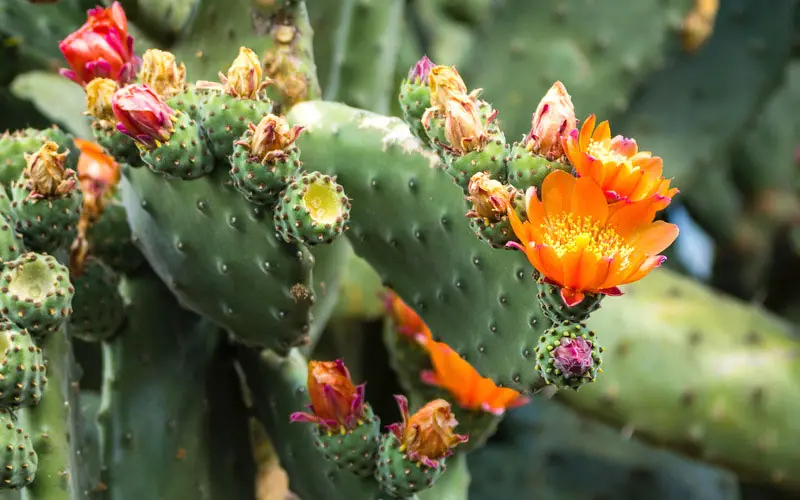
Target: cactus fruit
pixel 264 159
pixel 568 355
pixel 490 159
pixel 184 155
pixel 22 369
pixel 312 209
pixel 36 293
pixel 354 449
pixel 19 460
pixel 46 200
pixel 401 477
pixel 525 169
pixel 553 305
pixel 97 308
pixel 415 97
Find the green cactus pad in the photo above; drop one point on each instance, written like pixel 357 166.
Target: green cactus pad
pixel 434 131
pixel 400 476
pixel 35 293
pixel 5 205
pixel 568 355
pixel 408 222
pixel 525 169
pixel 187 102
pixel 22 369
pixel 490 160
pixel 97 308
pixel 313 209
pixel 117 144
pixel 46 224
pixel 235 271
pixel 414 100
pixel 225 118
pixel 354 450
pixel 553 305
pixel 110 240
pixel 185 155
pixel 10 240
pixel 13 147
pixel 18 459
pixel 262 183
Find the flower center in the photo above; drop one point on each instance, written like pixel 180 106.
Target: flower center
pixel 569 233
pixel 601 152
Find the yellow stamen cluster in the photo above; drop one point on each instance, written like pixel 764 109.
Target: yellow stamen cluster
pixel 568 232
pixel 601 152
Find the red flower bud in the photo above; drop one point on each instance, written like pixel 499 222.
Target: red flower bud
pixel 142 115
pixel 101 48
pixel 335 402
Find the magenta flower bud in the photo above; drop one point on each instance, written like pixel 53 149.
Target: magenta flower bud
pixel 142 115
pixel 573 357
pixel 419 72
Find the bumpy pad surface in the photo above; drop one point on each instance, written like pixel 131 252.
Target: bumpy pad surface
pixel 408 222
pixel 22 369
pixel 219 255
pixel 18 459
pixel 400 476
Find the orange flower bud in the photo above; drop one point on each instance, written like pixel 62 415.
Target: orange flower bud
pixel 45 173
pixel 462 126
pixel 161 73
pixel 427 436
pixel 271 138
pixel 335 402
pixel 445 83
pixel 98 173
pixel 553 120
pixel 490 198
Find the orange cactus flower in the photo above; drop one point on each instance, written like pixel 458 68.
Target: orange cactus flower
pixel 617 165
pixel 407 321
pixel 98 173
pixel 427 436
pixel 469 389
pixel 335 402
pixel 579 244
pixel 101 48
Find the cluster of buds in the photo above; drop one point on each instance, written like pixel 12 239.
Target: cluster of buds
pixel 142 115
pixel 464 130
pixel 101 48
pixel 428 435
pixel 271 139
pixel 245 77
pixel 45 173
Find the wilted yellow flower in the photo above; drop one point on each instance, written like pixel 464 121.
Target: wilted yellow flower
pixel 462 125
pixel 161 73
pixel 490 198
pixel 427 435
pixel 45 172
pixel 98 98
pixel 271 138
pixel 445 84
pixel 244 76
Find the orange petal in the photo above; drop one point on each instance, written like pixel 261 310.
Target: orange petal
pixel 601 270
pixel 631 217
pixel 655 238
pixel 586 132
pixel 603 133
pixel 614 276
pixel 549 263
pixel 648 265
pixel 557 192
pixel 521 229
pixel 588 200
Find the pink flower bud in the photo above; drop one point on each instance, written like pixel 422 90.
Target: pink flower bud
pixel 142 115
pixel 554 118
pixel 419 72
pixel 573 357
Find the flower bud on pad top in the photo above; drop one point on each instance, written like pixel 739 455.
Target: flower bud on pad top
pixel 35 293
pixel 99 105
pixel 491 201
pixel 568 355
pixel 412 454
pixel 22 370
pixel 415 96
pixel 313 209
pixel 170 141
pixel 265 158
pixel 228 108
pixel 47 200
pixel 346 430
pixel 18 460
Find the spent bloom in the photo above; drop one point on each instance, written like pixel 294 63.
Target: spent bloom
pixel 577 243
pixel 420 71
pixel 407 321
pixel 101 48
pixel 573 357
pixel 490 198
pixel 99 96
pixel 445 84
pixel 271 138
pixel 336 404
pixel 427 436
pixel 45 172
pixel 462 125
pixel 162 73
pixel 142 115
pixel 616 165
pixel 553 120
pixel 465 384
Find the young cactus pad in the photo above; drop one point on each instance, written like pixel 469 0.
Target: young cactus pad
pixel 313 209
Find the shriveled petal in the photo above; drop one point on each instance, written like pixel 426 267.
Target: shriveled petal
pixel 557 192
pixel 588 200
pixel 655 238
